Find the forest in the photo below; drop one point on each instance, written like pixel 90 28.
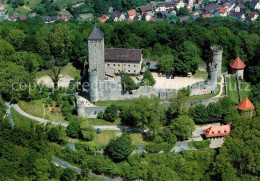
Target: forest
pixel 31 46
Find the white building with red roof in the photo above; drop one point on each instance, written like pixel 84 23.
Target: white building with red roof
pixel 131 14
pixel 217 131
pixel 223 11
pixel 246 105
pixel 237 67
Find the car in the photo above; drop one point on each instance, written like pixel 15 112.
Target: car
pixel 172 76
pixel 138 77
pixel 160 74
pixel 98 131
pixel 168 76
pixel 189 74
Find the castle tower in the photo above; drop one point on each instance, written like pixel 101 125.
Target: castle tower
pixel 80 108
pixel 215 67
pixel 217 57
pixel 96 55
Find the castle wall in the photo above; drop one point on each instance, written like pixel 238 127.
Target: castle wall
pixel 92 112
pixel 217 58
pixel 238 72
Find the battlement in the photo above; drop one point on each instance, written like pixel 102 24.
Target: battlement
pixel 216 49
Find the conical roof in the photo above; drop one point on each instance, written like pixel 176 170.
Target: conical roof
pixel 96 34
pixel 246 105
pixel 237 64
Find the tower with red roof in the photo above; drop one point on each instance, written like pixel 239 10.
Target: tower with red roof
pixel 246 105
pixel 237 67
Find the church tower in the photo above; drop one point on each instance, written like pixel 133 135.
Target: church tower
pixel 96 54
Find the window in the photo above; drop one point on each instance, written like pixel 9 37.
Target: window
pixel 118 65
pixel 134 70
pixel 218 131
pixel 212 132
pixel 128 70
pixel 118 70
pixel 114 65
pixel 108 65
pixel 134 65
pixel 128 65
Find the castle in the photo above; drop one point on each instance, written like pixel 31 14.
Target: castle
pixel 103 63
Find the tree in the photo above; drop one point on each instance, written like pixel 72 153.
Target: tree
pixel 120 148
pixel 6 49
pixel 73 129
pixel 111 113
pixel 14 81
pixel 100 7
pixel 2 108
pixel 215 110
pixel 166 64
pixel 41 168
pixel 129 84
pixel 199 113
pixel 16 38
pixel 148 79
pixel 183 12
pixel 68 175
pixel 182 127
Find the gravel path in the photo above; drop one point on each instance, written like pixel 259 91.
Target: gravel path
pixel 8 113
pixel 221 87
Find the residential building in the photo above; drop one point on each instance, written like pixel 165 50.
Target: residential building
pixel 160 7
pixel 255 4
pixel 146 9
pixel 103 18
pixel 14 17
pixel 64 18
pixel 223 11
pixel 239 7
pixel 117 16
pixel 130 14
pixel 237 67
pixel 237 15
pixel 120 59
pixel 184 18
pixel 252 16
pixel 179 4
pixel 229 6
pixel 217 131
pixel 211 7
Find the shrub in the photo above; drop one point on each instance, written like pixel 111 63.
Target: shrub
pixel 148 79
pixel 88 134
pixel 156 148
pixel 111 113
pixel 90 148
pixel 199 144
pixel 100 115
pixel 73 129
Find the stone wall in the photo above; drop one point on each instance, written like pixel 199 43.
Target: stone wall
pixel 91 112
pixel 204 102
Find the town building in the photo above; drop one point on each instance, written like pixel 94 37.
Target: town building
pixel 255 4
pixel 237 15
pixel 64 18
pixel 223 11
pixel 246 105
pixel 146 9
pixel 179 4
pixel 130 14
pixel 217 131
pixel 211 7
pixel 252 16
pixel 237 67
pixel 239 7
pixel 117 16
pixel 103 18
pixel 160 7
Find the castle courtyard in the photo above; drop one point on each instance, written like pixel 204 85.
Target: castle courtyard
pixel 176 83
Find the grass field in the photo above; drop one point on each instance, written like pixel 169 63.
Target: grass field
pixel 232 90
pixel 36 108
pixel 68 69
pixel 245 90
pixel 21 121
pixel 200 74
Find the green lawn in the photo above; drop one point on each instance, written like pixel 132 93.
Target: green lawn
pixel 200 74
pixel 21 121
pixel 205 96
pixel 36 108
pixel 116 102
pixel 245 90
pixel 232 90
pixel 68 69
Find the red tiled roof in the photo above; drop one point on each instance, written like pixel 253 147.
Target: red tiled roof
pixel 146 9
pixel 246 105
pixel 222 10
pixel 237 64
pixel 206 15
pixel 131 12
pixel 64 18
pixel 121 54
pixel 215 131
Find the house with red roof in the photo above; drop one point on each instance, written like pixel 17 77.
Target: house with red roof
pixel 223 11
pixel 246 105
pixel 146 9
pixel 103 18
pixel 237 67
pixel 217 131
pixel 131 14
pixel 64 18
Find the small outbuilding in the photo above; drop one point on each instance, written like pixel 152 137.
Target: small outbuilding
pixel 217 131
pixel 237 67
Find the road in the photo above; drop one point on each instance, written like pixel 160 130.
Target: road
pixel 63 164
pixel 8 113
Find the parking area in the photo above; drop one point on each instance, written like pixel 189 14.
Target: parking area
pixel 176 83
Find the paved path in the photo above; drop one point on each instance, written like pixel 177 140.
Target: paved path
pixel 103 127
pixel 63 164
pixel 8 113
pixel 221 86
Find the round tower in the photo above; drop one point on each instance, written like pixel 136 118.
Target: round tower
pixel 81 108
pixel 93 85
pixel 217 57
